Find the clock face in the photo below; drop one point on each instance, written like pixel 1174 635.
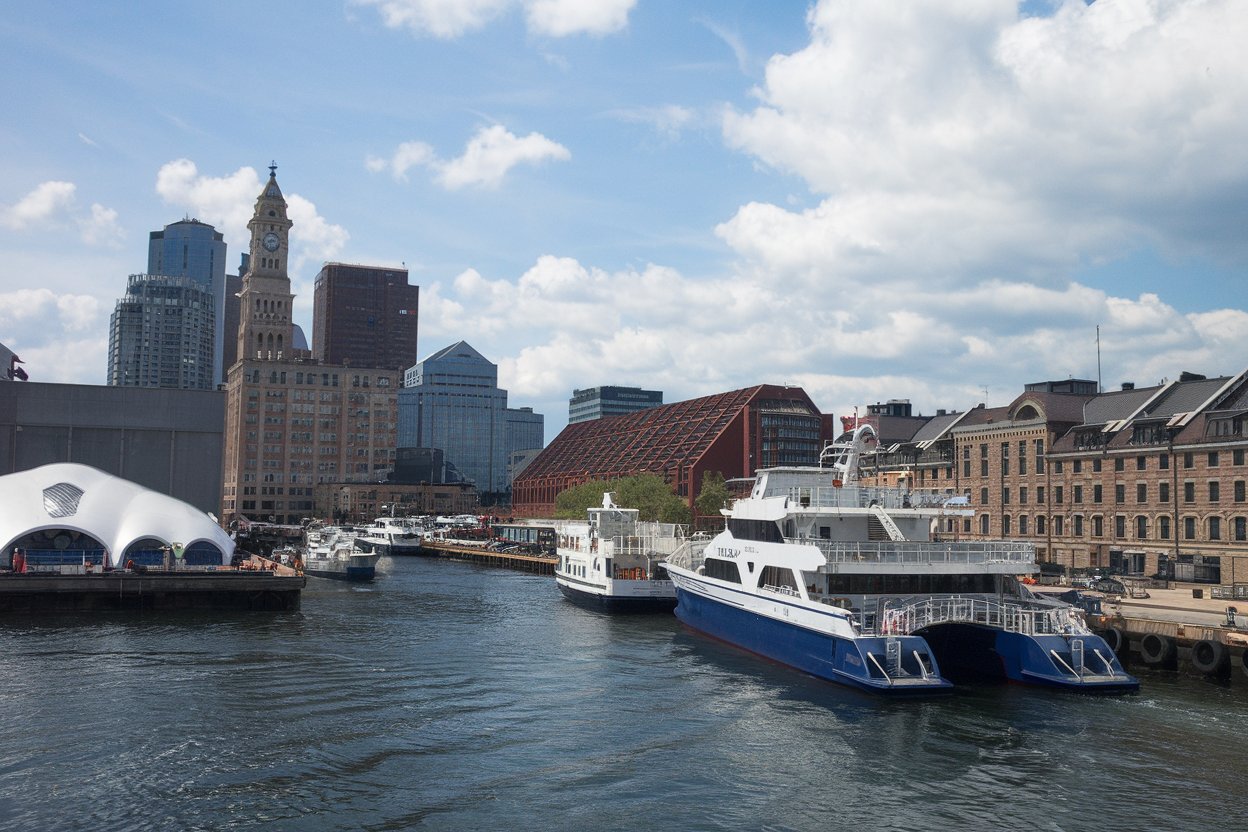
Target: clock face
pixel 271 242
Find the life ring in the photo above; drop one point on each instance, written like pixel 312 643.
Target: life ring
pixel 1116 639
pixel 1209 656
pixel 1156 649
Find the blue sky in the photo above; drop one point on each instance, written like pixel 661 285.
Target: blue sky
pixel 915 200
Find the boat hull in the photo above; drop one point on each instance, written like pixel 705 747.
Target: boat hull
pixel 824 655
pixel 976 652
pixel 361 574
pixel 599 599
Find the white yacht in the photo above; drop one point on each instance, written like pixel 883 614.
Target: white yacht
pixel 611 561
pixel 846 582
pixel 330 553
pixel 390 536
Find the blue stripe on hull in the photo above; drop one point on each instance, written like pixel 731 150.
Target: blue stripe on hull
pixel 973 651
pixel 819 654
pixel 608 603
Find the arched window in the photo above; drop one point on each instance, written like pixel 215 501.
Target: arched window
pixel 203 553
pixel 983 524
pixel 148 551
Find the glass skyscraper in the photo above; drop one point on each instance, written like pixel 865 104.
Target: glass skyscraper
pixel 160 334
pixel 451 402
pixel 193 249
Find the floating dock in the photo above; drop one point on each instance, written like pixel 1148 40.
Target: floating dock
pixel 265 586
pixel 451 550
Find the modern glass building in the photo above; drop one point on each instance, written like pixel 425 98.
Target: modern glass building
pixel 596 402
pixel 194 249
pixel 451 402
pixel 161 334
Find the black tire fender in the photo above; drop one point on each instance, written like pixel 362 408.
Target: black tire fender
pixel 1115 638
pixel 1156 649
pixel 1209 656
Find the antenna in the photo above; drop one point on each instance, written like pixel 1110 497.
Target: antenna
pixel 1099 389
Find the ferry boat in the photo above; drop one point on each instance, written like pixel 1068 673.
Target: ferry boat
pixel 612 561
pixel 389 536
pixel 331 553
pixel 844 581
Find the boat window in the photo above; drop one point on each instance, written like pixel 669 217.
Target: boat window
pixel 724 570
pixel 779 577
pixel 763 530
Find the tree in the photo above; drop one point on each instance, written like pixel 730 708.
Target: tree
pixel 713 496
pixel 647 493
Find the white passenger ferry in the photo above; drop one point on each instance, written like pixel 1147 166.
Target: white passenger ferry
pixel 330 552
pixel 612 561
pixel 845 582
pixel 390 536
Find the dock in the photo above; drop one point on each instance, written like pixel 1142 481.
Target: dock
pixel 462 551
pixel 265 586
pixel 1180 630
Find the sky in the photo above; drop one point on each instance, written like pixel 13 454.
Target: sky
pixel 937 201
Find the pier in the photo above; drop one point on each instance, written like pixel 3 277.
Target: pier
pixel 1179 630
pixel 265 586
pixel 464 551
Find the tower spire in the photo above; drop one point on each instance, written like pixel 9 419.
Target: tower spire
pixel 273 169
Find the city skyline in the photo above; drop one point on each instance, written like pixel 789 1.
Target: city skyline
pixel 937 203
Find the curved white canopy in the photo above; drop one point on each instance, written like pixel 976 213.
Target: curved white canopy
pixel 116 512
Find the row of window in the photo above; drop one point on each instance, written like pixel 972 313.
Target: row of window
pixel 1212 527
pixel 1213 493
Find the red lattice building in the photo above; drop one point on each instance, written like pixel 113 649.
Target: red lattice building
pixel 733 433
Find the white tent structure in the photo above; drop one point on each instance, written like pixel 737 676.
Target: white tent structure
pixel 64 511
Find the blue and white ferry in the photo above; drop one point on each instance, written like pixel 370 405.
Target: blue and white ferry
pixel 330 553
pixel 845 582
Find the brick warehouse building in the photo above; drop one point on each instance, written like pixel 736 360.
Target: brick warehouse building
pixel 1137 481
pixel 733 433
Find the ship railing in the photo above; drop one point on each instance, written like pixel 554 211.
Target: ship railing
pixel 902 551
pixel 1011 617
pixel 863 496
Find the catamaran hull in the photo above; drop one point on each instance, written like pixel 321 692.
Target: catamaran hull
pixel 822 655
pixel 976 652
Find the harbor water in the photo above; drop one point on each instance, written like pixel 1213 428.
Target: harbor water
pixel 456 697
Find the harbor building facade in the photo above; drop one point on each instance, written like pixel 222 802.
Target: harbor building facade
pixel 451 402
pixel 161 334
pixel 365 316
pixel 164 439
pixel 597 402
pixel 291 422
pixel 1141 481
pixel 732 433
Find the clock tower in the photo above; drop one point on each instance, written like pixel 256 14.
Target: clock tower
pixel 265 303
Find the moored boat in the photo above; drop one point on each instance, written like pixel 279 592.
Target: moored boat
pixel 846 582
pixel 611 561
pixel 389 536
pixel 331 553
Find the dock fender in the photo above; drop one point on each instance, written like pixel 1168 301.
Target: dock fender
pixel 1156 649
pixel 1210 656
pixel 1115 638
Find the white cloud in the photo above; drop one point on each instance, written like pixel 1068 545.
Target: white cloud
pixel 45 205
pixel 60 337
pixel 669 121
pixel 487 158
pixel 407 156
pixel 448 19
pixel 494 151
pixel 560 18
pixel 102 227
pixel 958 138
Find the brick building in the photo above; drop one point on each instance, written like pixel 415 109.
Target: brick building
pixel 733 433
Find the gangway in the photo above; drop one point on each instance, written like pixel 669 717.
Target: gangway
pixel 880 514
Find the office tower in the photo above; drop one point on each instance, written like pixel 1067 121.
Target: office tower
pixel 364 316
pixel 596 402
pixel 160 334
pixel 451 402
pixel 193 249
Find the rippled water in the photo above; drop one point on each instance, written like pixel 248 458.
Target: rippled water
pixel 447 696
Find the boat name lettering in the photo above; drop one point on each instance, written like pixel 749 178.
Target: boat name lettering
pixel 724 551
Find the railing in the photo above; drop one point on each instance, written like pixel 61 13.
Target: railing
pixel 900 551
pixel 862 496
pixel 1012 618
pixel 689 554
